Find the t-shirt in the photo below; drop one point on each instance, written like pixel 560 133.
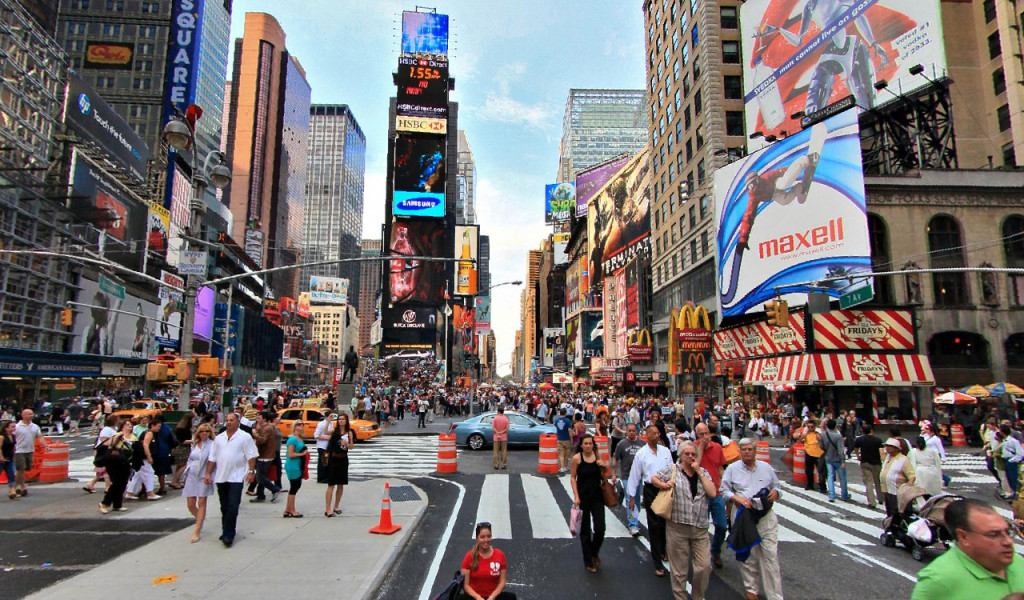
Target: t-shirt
pixel 25 437
pixel 870 449
pixel 500 426
pixel 105 434
pixel 956 575
pixel 812 444
pixel 624 453
pixel 562 427
pixel 293 464
pixel 712 460
pixel 487 575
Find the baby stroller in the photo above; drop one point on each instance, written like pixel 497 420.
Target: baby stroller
pixel 919 527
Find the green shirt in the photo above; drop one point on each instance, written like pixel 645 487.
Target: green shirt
pixel 956 575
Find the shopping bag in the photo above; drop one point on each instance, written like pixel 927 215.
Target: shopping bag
pixel 575 520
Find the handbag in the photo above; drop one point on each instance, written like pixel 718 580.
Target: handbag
pixel 611 498
pixel 575 520
pixel 662 503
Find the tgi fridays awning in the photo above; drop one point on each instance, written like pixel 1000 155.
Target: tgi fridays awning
pixel 876 370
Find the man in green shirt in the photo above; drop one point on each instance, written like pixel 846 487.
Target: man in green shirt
pixel 982 566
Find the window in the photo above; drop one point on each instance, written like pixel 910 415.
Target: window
pixel 731 53
pixel 111 29
pixel 686 118
pixel 1013 249
pixel 945 247
pixel 989 8
pixel 76 28
pixel 657 245
pixel 75 46
pixel 145 66
pixel 686 54
pixel 675 71
pixel 79 4
pixel 729 18
pixel 672 203
pixel 150 7
pixel 145 49
pixel 117 5
pixel 147 32
pixel 679 99
pixel 1009 155
pixel 699 134
pixel 682 225
pixel 694 36
pixel 142 83
pixel 994 47
pixel 704 243
pixel 674 234
pixel 104 82
pixel 658 281
pixel 652 59
pixel 958 349
pixel 675 40
pixel 693 217
pixel 689 150
pixel 998 81
pixel 693 251
pixel 733 122
pixel 686 84
pixel 1003 115
pixel 696 68
pixel 878 238
pixel 675 264
pixel 733 85
pixel 703 207
pixel 701 175
pixel 664 212
pixel 698 102
pixel 657 218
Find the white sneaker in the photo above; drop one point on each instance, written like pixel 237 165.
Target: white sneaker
pixel 634 531
pixel 154 497
pixel 104 508
pixel 122 509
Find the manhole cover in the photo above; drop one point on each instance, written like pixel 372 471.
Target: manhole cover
pixel 404 493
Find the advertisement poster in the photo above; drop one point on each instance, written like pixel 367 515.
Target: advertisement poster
pixel 92 118
pixel 170 312
pixel 590 181
pixel 328 290
pixel 464 324
pixel 559 245
pixel 621 310
pixel 424 34
pixel 483 314
pixel 466 240
pixel 419 175
pixel 790 214
pixel 573 300
pixel 202 327
pixel 100 330
pixel 159 229
pixel 634 293
pixel 415 280
pixel 618 219
pixel 416 327
pixel 554 347
pixel 104 203
pixel 591 334
pixel 559 202
pixel 573 347
pixel 610 316
pixel 801 56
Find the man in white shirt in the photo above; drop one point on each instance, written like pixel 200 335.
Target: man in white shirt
pixel 648 461
pixel 25 435
pixel 233 457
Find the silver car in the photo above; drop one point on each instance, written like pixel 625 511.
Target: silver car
pixel 476 432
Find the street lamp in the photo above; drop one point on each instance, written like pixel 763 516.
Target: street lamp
pixel 179 133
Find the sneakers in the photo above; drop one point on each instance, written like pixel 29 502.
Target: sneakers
pixel 257 500
pixel 634 531
pixel 154 497
pixel 274 496
pixel 122 509
pixel 104 508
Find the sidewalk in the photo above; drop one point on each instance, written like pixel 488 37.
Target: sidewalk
pixel 309 558
pixel 407 426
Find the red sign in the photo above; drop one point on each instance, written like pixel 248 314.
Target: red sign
pixel 694 340
pixel 872 330
pixel 760 339
pixel 338 371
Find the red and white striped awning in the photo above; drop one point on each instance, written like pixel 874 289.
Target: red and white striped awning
pixel 876 370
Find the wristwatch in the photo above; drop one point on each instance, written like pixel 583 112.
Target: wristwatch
pixel 252 471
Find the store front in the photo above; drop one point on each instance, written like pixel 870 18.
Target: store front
pixel 27 374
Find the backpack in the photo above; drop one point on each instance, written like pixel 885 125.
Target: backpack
pixel 452 590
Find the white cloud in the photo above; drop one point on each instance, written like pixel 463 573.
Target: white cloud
pixel 504 109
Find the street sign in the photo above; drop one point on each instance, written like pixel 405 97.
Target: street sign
pixel 193 262
pixel 858 296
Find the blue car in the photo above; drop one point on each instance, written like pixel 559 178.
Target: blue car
pixel 476 433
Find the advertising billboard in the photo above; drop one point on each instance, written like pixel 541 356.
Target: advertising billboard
pixel 573 300
pixel 158 229
pixel 415 280
pixel 202 327
pixel 621 310
pixel 419 176
pixel 554 347
pixel 791 214
pixel 635 292
pixel 559 246
pixel 483 314
pixel 100 330
pixel 591 334
pixel 619 219
pixel 104 202
pixel 328 290
pixel 590 181
pixel 573 347
pixel 422 88
pixel 804 56
pixel 183 53
pixel 108 55
pixel 559 202
pixel 466 244
pixel 424 34
pixel 170 312
pixel 93 119
pixel 864 331
pixel 464 326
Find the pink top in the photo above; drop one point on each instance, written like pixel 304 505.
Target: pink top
pixel 500 425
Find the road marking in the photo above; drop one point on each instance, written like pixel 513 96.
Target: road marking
pixel 435 565
pixel 546 518
pixel 836 536
pixel 877 562
pixel 493 507
pixel 612 525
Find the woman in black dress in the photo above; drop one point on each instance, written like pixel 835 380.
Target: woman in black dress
pixel 586 473
pixel 336 455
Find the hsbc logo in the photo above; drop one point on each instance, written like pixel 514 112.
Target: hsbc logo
pixel 421 124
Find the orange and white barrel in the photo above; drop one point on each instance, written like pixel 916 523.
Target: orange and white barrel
pixel 547 460
pixel 447 455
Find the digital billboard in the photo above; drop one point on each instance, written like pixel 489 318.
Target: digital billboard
pixel 424 34
pixel 483 314
pixel 202 327
pixel 573 347
pixel 590 181
pixel 635 293
pixel 621 313
pixel 554 346
pixel 791 214
pixel 610 317
pixel 464 326
pixel 559 201
pixel 800 56
pixel 422 88
pixel 108 55
pixel 466 243
pixel 591 334
pixel 419 176
pixel 170 311
pixel 104 202
pixel 619 219
pixel 328 290
pixel 414 280
pixel 158 229
pixel 415 326
pixel 115 323
pixel 92 118
pixel 559 247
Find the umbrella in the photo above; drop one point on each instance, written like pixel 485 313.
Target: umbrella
pixel 546 386
pixel 977 391
pixel 1004 388
pixel 954 398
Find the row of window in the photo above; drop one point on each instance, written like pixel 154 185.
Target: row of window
pixel 114 5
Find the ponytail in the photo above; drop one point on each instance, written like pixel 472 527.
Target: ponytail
pixel 475 561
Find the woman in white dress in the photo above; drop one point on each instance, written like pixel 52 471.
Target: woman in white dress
pixel 196 490
pixel 928 466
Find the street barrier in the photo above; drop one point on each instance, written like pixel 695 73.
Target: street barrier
pixel 385 526
pixel 763 452
pixel 958 436
pixel 447 455
pixel 55 460
pixel 799 464
pixel 605 453
pixel 548 456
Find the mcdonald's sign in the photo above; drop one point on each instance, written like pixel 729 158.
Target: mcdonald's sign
pixel 639 346
pixel 689 338
pixel 696 362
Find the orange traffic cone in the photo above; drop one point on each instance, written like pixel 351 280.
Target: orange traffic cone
pixel 385 526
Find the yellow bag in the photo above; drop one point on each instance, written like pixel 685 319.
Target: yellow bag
pixel 662 503
pixel 731 453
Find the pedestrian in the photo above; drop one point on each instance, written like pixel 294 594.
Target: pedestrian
pixel 26 433
pixel 264 435
pixel 851 431
pixel 99 446
pixel 116 459
pixel 927 467
pixel 7 457
pixel 835 461
pixel 500 426
pixel 484 570
pixel 74 417
pixel 296 455
pixel 982 564
pixel 686 538
pixel 337 464
pixel 586 474
pixel 869 448
pixel 1013 454
pixel 421 413
pixel 712 459
pixel 579 429
pixel 896 471
pixel 563 436
pixel 648 461
pixel 322 434
pixel 142 462
pixel 935 443
pixel 743 484
pixel 197 490
pixel 232 462
pixel 622 462
pixel 814 455
pixel 165 443
pixel 618 429
pixel 179 453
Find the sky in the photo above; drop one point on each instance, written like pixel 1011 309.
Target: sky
pixel 514 64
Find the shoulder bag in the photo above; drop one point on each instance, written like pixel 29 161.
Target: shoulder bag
pixel 611 497
pixel 662 503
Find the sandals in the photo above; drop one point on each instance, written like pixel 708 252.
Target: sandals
pixel 337 511
pixel 88 489
pixel 289 515
pixel 329 515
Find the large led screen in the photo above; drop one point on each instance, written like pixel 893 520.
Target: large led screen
pixel 415 280
pixel 800 56
pixel 618 219
pixel 419 176
pixel 114 322
pixel 791 215
pixel 424 33
pixel 422 88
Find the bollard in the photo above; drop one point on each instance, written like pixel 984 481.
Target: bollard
pixel 547 462
pixel 763 452
pixel 958 435
pixel 799 464
pixel 447 455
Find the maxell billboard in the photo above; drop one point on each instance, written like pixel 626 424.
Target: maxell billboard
pixel 791 214
pixel 801 57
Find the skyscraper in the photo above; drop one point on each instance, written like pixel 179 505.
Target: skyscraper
pixel 267 148
pixel 369 289
pixel 465 180
pixel 600 124
pixel 336 165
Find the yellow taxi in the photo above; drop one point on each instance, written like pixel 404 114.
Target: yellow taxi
pixel 364 429
pixel 143 408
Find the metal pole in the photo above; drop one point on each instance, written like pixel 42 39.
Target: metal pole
pixel 226 358
pixel 191 289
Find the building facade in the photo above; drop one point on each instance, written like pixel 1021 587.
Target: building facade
pixel 600 124
pixel 334 329
pixel 369 290
pixel 465 181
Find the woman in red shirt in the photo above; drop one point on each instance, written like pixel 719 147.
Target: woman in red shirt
pixel 484 569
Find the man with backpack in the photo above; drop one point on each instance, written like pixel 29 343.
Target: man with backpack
pixel 142 464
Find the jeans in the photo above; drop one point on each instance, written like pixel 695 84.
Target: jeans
pixel 633 514
pixel 761 569
pixel 655 528
pixel 1012 469
pixel 230 495
pixel 262 468
pixel 836 468
pixel 716 506
pixel 8 468
pixel 118 482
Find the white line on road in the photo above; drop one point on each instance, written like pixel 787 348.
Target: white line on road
pixel 613 526
pixel 877 562
pixel 435 566
pixel 494 506
pixel 837 536
pixel 546 518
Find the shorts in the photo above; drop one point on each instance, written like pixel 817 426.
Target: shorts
pixel 23 460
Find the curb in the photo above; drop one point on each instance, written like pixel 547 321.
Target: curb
pixel 385 565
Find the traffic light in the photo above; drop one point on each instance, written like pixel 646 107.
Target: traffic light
pixel 771 310
pixel 66 317
pixel 782 313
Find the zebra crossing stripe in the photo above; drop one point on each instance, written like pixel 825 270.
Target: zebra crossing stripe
pixel 546 517
pixel 830 533
pixel 494 506
pixel 613 526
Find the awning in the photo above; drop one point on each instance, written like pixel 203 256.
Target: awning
pixel 875 370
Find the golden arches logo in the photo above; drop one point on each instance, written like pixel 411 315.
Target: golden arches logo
pixel 641 338
pixel 696 362
pixel 689 332
pixel 692 317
